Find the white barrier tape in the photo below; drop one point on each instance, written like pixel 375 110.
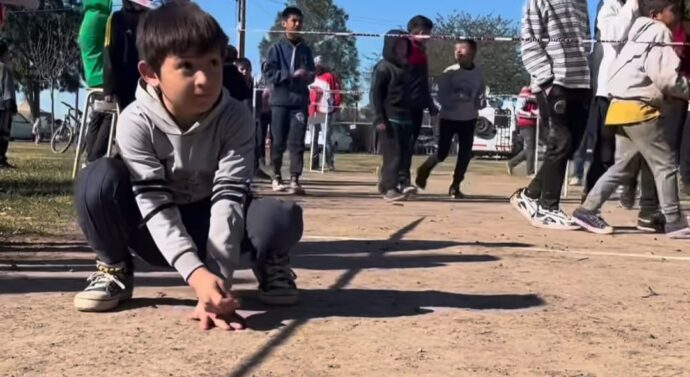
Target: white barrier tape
pixel 453 37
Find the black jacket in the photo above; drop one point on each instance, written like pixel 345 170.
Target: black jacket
pixel 390 89
pixel 282 60
pixel 420 91
pixel 121 59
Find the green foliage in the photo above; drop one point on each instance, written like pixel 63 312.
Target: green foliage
pixel 500 61
pixel 341 53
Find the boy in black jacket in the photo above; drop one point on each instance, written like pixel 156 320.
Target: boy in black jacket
pixel 289 70
pixel 390 94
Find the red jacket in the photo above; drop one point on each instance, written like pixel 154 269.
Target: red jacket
pixel 679 35
pixel 327 81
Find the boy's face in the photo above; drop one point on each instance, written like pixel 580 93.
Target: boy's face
pixel 291 25
pixel 190 85
pixel 245 70
pixel 464 53
pixel 401 51
pixel 669 16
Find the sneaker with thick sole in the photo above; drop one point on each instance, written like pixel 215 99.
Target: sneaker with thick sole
pixel 678 231
pixel 277 282
pixel 655 223
pixel 553 219
pixel 277 185
pixel 410 190
pixel 394 196
pixel 295 188
pixel 108 287
pixel 591 222
pixel 524 204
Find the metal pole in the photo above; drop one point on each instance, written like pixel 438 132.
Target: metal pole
pixel 536 146
pixel 325 143
pixel 241 26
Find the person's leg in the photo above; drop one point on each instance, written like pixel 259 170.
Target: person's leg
pixel 465 132
pixel 295 140
pixel 273 228
pixel 649 199
pixel 264 121
pixel 389 147
pixel 649 138
pixel 411 133
pixel 316 131
pixel 529 136
pixel 603 155
pixel 445 139
pixel 328 143
pixel 5 129
pixel 520 156
pixel 684 155
pixel 280 126
pixel 98 136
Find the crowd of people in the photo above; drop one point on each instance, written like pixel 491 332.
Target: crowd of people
pixel 179 192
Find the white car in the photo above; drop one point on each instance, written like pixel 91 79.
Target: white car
pixel 22 128
pixel 496 129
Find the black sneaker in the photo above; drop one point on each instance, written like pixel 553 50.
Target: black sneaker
pixel 655 223
pixel 591 222
pixel 394 196
pixel 6 165
pixel 108 287
pixel 295 187
pixel 277 282
pixel 455 193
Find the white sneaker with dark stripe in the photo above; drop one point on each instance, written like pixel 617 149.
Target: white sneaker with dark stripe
pixel 553 219
pixel 524 204
pixel 108 287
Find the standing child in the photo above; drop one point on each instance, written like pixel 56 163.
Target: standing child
pixel 461 93
pixel 244 67
pixel 179 194
pixel 390 95
pixel 527 127
pixel 289 70
pixel 325 98
pixel 560 78
pixel 642 79
pixel 8 104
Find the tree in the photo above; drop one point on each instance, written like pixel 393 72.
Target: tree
pixel 44 50
pixel 500 61
pixel 340 52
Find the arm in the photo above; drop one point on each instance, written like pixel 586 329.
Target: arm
pixel 273 71
pixel 614 26
pixel 110 66
pixel 153 196
pixel 444 95
pixel 311 69
pixel 658 67
pixel 231 189
pixel 379 89
pixel 534 56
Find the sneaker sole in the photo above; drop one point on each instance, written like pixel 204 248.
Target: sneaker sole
pixel 396 199
pixel 541 225
pixel 592 229
pixel 515 202
pixel 679 235
pixel 285 300
pixel 84 304
pixel 647 229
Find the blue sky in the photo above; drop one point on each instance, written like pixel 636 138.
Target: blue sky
pixel 376 16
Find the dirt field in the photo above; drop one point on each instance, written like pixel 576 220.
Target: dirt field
pixel 431 287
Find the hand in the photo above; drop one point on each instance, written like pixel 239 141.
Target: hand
pixel 228 322
pixel 211 294
pixel 382 127
pixel 301 74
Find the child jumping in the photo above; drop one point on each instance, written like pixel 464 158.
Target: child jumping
pixel 390 95
pixel 643 77
pixel 179 195
pixel 461 93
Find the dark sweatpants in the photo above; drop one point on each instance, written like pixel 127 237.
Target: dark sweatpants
pixel 98 136
pixel 677 131
pixel 465 132
pixel 288 129
pixel 394 145
pixel 110 219
pixel 417 117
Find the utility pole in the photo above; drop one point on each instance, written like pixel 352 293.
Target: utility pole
pixel 241 26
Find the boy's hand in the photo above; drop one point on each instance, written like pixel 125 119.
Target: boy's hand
pixel 301 74
pixel 213 297
pixel 228 322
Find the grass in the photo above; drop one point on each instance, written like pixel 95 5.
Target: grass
pixel 36 197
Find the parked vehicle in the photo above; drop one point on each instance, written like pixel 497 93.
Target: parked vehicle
pixel 496 132
pixel 22 128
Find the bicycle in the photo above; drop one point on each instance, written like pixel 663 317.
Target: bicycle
pixel 64 135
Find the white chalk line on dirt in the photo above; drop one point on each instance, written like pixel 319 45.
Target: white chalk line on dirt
pixel 537 249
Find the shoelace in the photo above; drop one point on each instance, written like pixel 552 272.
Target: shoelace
pixel 279 274
pixel 100 277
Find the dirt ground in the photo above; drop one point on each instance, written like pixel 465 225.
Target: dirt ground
pixel 431 287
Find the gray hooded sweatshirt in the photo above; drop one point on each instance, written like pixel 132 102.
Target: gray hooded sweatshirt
pixel 214 158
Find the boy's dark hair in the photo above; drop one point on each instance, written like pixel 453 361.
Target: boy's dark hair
pixel 470 42
pixel 231 54
pixel 291 11
pixel 419 22
pixel 656 6
pixel 177 28
pixel 243 62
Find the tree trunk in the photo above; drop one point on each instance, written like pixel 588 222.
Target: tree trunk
pixel 33 98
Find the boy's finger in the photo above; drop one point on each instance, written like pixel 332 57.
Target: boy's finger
pixel 221 324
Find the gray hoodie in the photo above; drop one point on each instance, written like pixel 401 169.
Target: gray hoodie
pixel 214 158
pixel 647 72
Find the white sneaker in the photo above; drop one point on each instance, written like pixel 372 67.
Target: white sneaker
pixel 278 185
pixel 553 219
pixel 524 204
pixel 575 181
pixel 410 190
pixel 108 287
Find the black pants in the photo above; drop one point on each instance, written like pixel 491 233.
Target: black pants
pixel 394 144
pixel 604 152
pixel 674 121
pixel 98 136
pixel 261 134
pixel 465 132
pixel 288 129
pixel 567 111
pixel 406 159
pixel 5 132
pixel 110 219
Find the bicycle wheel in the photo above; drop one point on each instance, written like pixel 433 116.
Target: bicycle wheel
pixel 62 139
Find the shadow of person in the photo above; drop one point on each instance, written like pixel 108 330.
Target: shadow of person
pixel 335 262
